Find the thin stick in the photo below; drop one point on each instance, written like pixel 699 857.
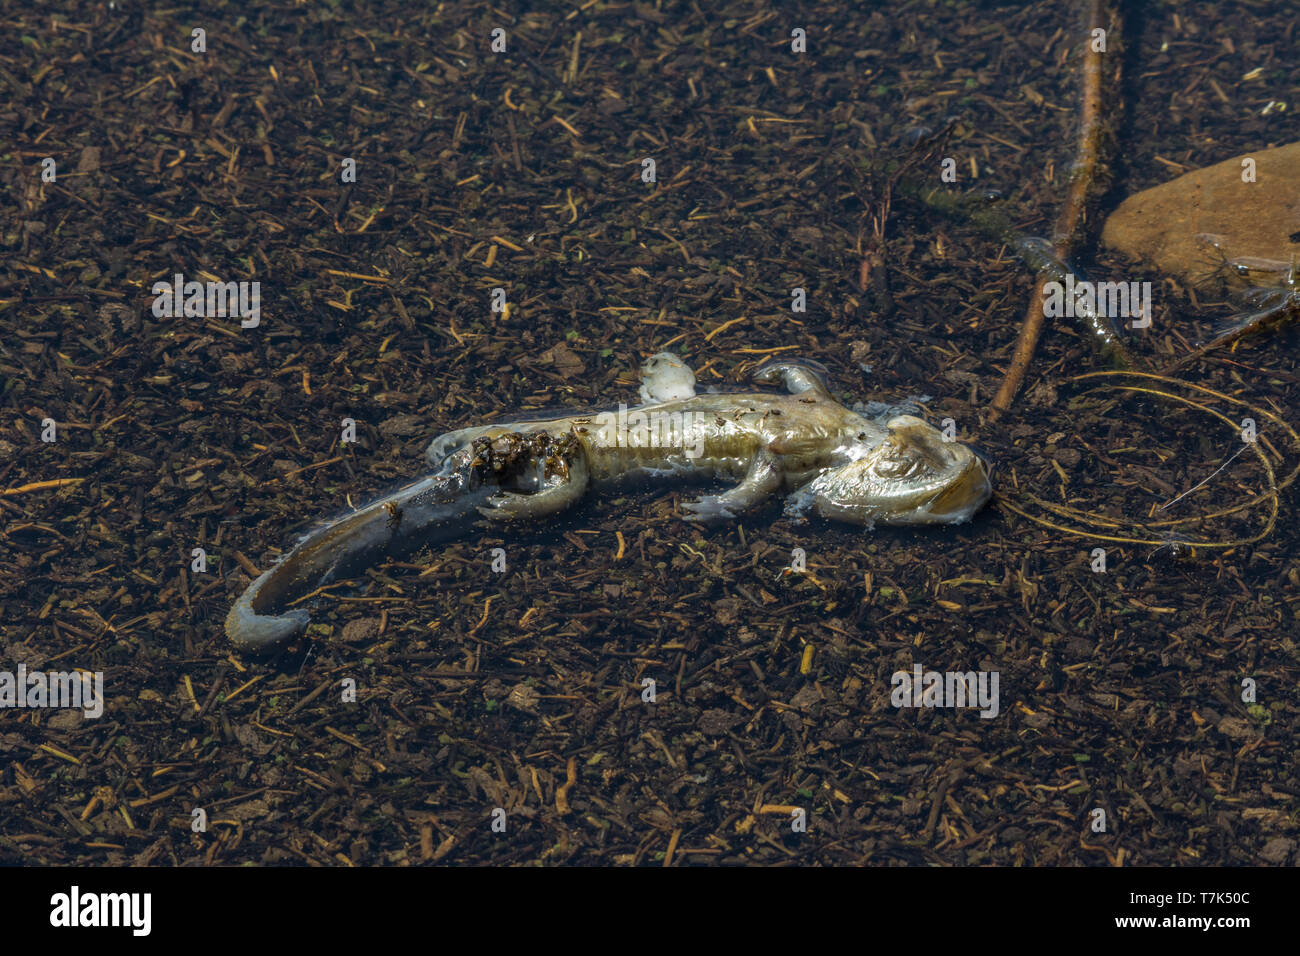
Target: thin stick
pixel 1092 521
pixel 1248 325
pixel 1070 221
pixel 41 486
pixel 1204 481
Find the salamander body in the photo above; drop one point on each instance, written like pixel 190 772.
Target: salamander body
pixel 799 441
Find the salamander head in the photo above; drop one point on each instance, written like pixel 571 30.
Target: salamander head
pixel 912 477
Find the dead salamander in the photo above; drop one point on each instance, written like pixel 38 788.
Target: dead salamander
pixel 838 463
pixel 831 460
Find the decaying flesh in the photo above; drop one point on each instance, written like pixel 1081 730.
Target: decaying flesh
pixel 800 441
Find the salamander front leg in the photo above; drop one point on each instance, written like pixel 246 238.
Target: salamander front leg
pixel 762 479
pixel 797 375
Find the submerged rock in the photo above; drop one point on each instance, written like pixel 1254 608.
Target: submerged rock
pixel 1194 226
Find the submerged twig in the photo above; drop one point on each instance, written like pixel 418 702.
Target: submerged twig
pixel 1100 527
pixel 41 486
pixel 873 271
pixel 1069 222
pixel 1278 306
pixel 1204 481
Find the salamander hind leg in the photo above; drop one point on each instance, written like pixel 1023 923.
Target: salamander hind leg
pixel 561 482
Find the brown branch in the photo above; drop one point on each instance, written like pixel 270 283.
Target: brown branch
pixel 41 486
pixel 1069 223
